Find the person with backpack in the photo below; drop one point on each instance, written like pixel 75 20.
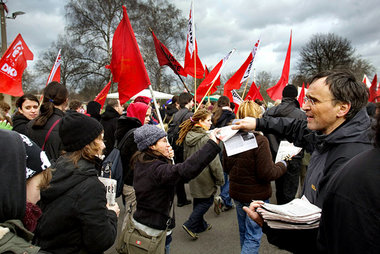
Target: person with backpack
pixel 203 188
pixel 43 129
pixel 76 217
pixel 138 114
pixel 186 102
pixel 155 178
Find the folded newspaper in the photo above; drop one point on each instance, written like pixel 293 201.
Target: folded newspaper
pixel 297 214
pixel 236 141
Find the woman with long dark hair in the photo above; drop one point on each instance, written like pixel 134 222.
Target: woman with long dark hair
pixel 27 109
pixel 48 121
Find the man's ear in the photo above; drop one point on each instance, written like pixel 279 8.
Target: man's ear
pixel 344 107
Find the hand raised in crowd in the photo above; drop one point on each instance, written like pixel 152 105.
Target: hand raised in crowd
pixel 171 152
pixel 114 208
pixel 251 211
pixel 212 135
pixel 246 124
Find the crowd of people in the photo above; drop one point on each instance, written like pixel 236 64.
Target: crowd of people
pixel 53 201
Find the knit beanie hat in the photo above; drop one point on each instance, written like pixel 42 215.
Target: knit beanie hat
pixel 137 110
pixel 147 135
pixel 78 130
pixel 289 91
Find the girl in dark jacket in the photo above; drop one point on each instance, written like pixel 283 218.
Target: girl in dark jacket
pixel 51 111
pixel 76 217
pixel 27 109
pixel 250 175
pixel 155 177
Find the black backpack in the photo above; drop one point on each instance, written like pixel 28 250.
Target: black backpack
pixel 173 135
pixel 112 166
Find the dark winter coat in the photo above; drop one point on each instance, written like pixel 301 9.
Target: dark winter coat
pixel 287 108
pixel 53 146
pixel 19 122
pixel 155 179
pixel 252 171
pixel 350 220
pixel 109 121
pixel 329 154
pixel 124 124
pixel 74 214
pixel 225 118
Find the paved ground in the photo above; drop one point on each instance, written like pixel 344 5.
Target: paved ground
pixel 223 238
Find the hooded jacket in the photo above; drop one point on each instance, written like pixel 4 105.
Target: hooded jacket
pixel 75 217
pixel 109 122
pixel 53 146
pixel 14 237
pixel 205 184
pixel 19 122
pixel 329 153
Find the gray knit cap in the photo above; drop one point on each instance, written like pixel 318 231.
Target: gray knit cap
pixel 147 135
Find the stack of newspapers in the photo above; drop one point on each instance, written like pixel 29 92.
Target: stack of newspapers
pixel 297 214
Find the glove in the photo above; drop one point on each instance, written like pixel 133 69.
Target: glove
pixel 5 125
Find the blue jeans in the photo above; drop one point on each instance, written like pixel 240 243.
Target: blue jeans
pixel 168 240
pixel 196 223
pixel 225 191
pixel 250 232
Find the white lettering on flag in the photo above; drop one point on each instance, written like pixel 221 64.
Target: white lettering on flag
pixel 236 97
pixel 190 32
pixel 247 72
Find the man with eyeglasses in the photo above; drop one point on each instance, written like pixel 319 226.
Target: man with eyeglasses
pixel 336 130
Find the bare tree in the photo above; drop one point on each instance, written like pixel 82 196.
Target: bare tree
pixel 264 80
pixel 326 52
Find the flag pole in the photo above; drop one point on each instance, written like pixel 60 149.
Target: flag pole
pixel 175 70
pixel 205 96
pixel 158 113
pixel 195 58
pixel 245 88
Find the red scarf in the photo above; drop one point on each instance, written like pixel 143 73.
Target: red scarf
pixel 32 214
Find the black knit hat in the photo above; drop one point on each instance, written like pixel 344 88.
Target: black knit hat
pixel 78 130
pixel 289 91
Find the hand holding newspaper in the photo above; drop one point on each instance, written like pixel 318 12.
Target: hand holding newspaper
pixel 236 141
pixel 297 214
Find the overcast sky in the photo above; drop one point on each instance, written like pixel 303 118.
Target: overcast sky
pixel 225 24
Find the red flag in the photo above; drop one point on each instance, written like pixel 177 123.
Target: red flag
pixel 102 96
pixel 192 50
pixel 242 74
pixel 372 89
pixel 307 86
pixel 217 81
pixel 275 92
pixel 254 93
pixel 12 66
pixel 55 73
pixel 211 78
pixel 127 65
pixel 166 58
pixel 301 96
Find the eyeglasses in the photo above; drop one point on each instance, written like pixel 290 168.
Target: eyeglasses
pixel 313 102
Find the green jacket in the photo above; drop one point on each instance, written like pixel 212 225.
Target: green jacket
pixel 205 184
pixel 17 240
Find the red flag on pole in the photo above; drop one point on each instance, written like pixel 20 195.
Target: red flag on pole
pixel 217 81
pixel 166 58
pixel 55 73
pixel 372 89
pixel 242 74
pixel 275 92
pixel 12 66
pixel 204 88
pixel 192 50
pixel 301 96
pixel 127 65
pixel 254 93
pixel 102 96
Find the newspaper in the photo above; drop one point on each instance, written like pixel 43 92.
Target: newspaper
pixel 286 149
pixel 297 214
pixel 225 133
